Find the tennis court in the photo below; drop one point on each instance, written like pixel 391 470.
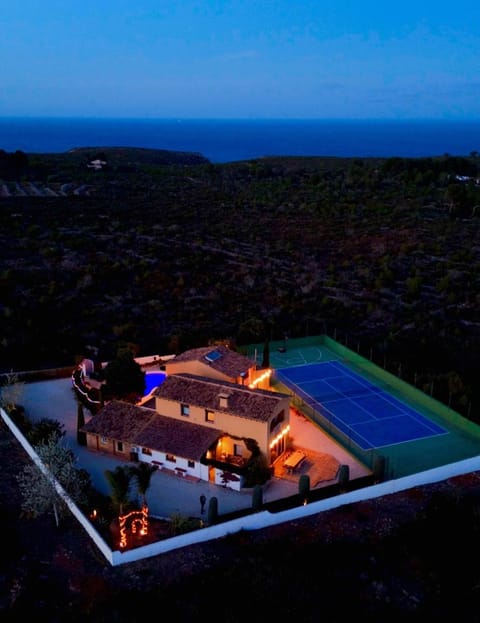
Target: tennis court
pixel 369 416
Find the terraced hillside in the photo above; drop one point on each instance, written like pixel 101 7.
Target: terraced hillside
pixel 165 254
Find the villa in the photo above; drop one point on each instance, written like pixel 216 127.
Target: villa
pixel 206 420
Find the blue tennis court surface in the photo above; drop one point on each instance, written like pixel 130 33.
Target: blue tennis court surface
pixel 365 413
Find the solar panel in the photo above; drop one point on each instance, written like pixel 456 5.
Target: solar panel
pixel 213 355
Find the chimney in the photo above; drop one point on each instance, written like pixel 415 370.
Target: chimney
pixel 223 399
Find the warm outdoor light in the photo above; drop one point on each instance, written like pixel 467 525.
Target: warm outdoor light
pixel 144 520
pixel 262 377
pixel 281 434
pixel 138 518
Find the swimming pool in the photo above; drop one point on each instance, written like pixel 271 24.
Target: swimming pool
pixel 152 380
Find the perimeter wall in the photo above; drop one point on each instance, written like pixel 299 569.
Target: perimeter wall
pixel 255 521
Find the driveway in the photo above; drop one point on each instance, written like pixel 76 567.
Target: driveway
pixel 170 494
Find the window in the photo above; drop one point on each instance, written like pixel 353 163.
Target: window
pixel 171 458
pixel 185 410
pixel 119 446
pixel 191 464
pixel 280 417
pixel 103 441
pixel 209 415
pixel 147 451
pixel 237 450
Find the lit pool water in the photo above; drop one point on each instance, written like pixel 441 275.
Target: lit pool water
pixel 152 380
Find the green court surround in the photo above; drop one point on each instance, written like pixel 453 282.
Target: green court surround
pixel 403 459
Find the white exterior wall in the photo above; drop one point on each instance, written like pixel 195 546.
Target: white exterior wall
pixel 235 485
pixel 87 367
pixel 200 471
pixel 152 359
pixel 159 459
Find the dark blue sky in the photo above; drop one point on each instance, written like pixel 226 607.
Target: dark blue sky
pixel 240 59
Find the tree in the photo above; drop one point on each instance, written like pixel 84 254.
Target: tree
pixel 379 468
pixel 212 511
pixel 20 419
pixel 142 474
pixel 257 470
pixel 39 482
pixel 44 430
pixel 304 486
pixel 414 285
pixel 251 330
pixel 119 481
pixel 343 476
pixel 456 197
pixel 455 383
pixel 124 377
pixel 266 353
pixel 11 391
pixel 81 436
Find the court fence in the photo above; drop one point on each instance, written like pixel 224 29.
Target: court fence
pixel 434 409
pixel 397 386
pixel 367 457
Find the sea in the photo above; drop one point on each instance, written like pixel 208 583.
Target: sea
pixel 231 140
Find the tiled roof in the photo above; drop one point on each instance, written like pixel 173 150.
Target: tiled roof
pixel 144 427
pixel 219 358
pixel 119 420
pixel 200 391
pixel 184 439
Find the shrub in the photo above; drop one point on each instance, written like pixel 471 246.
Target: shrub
pixel 257 470
pixel 379 469
pixel 44 429
pixel 343 475
pixel 179 524
pixel 212 511
pixel 81 436
pixel 304 486
pixel 257 498
pixel 20 419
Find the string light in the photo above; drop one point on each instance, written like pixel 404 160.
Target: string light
pixel 137 518
pixel 263 377
pixel 281 434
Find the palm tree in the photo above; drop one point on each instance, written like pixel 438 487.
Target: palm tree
pixel 119 481
pixel 143 475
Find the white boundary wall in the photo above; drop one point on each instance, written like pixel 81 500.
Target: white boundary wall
pixel 255 521
pixel 102 546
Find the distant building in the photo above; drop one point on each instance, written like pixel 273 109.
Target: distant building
pixel 96 164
